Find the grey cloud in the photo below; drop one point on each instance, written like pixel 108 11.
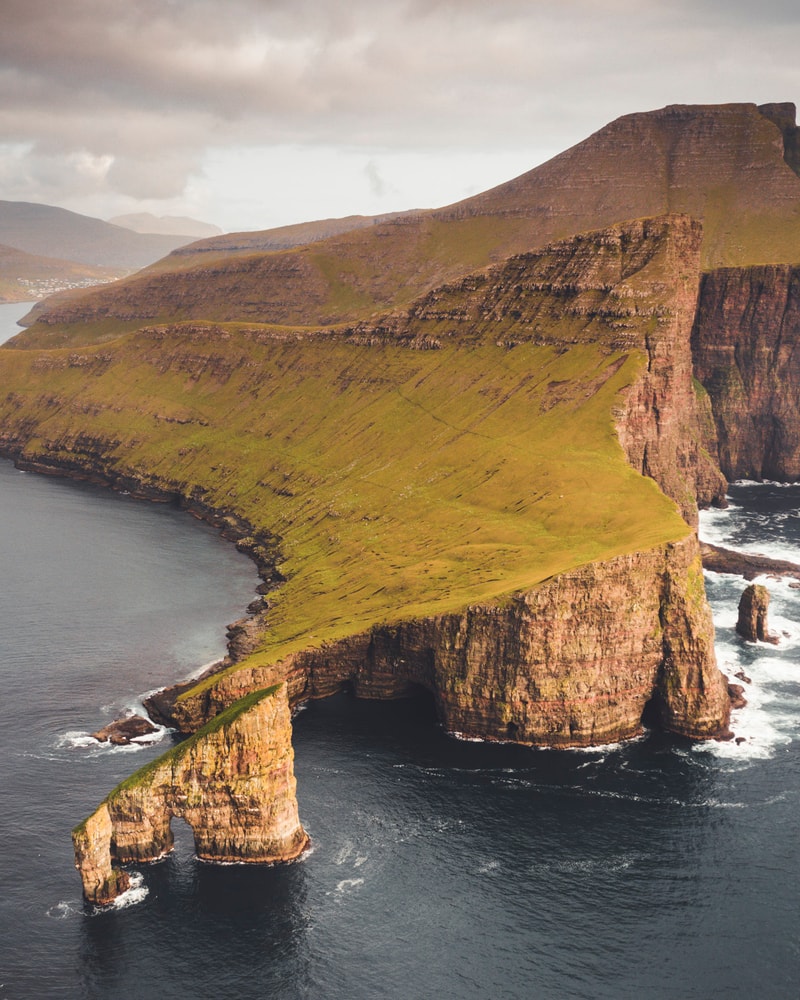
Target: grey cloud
pixel 152 83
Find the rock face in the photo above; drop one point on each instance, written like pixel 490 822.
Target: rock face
pixel 746 346
pixel 665 426
pixel 573 662
pixel 576 660
pixel 233 783
pixel 752 621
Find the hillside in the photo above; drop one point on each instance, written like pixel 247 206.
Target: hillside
pixel 24 276
pixel 166 225
pixel 46 231
pixel 729 166
pixel 280 238
pixel 447 457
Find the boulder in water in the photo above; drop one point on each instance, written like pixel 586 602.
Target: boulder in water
pixel 122 731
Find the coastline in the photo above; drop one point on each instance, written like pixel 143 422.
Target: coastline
pixel 229 526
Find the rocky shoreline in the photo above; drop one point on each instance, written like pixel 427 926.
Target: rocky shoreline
pixel 721 560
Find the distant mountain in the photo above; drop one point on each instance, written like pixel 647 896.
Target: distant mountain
pixel 25 277
pixel 731 167
pixel 48 231
pixel 284 237
pixel 166 225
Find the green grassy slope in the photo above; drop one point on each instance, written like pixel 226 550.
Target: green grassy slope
pixel 400 482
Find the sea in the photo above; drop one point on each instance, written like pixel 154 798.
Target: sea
pixel 439 868
pixel 10 312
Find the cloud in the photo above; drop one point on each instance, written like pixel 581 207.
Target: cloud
pixel 377 185
pixel 150 86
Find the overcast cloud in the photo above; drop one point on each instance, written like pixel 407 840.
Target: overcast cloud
pixel 253 113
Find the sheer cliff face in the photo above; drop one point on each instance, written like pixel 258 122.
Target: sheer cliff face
pixel 563 653
pixel 233 783
pixel 664 425
pixel 571 663
pixel 746 346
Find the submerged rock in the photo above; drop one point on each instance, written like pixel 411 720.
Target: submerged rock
pixel 736 694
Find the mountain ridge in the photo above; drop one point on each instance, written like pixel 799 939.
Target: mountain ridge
pixel 49 231
pixel 723 164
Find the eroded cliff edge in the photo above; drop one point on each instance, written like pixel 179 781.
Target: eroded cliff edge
pixel 573 662
pixel 233 783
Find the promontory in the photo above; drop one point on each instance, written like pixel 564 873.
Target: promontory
pixel 466 448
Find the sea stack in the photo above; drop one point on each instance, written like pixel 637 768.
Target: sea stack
pixel 233 783
pixel 752 622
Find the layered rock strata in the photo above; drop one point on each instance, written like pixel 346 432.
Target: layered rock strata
pixel 751 623
pixel 233 783
pixel 576 660
pixel 746 347
pixel 573 662
pixel 638 283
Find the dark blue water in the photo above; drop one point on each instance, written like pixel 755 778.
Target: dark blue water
pixel 658 869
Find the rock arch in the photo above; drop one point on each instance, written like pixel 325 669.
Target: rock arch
pixel 233 783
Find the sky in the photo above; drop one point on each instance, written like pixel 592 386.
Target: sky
pixel 251 114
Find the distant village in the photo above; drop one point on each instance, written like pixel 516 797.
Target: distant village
pixel 40 288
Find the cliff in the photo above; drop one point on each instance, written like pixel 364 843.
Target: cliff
pixel 233 783
pixel 388 481
pixel 573 662
pixel 746 347
pixel 440 492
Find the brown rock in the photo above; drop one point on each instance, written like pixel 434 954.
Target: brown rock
pixel 752 621
pixel 736 694
pixel 122 731
pixel 573 662
pixel 233 783
pixel 746 345
pixel 746 564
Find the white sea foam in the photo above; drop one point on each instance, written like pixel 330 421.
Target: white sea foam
pixel 65 909
pixel 714 524
pixel 131 897
pixel 758 728
pixel 346 885
pixel 76 738
pixel 344 853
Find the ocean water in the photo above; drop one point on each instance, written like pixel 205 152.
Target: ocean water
pixel 10 312
pixel 655 869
